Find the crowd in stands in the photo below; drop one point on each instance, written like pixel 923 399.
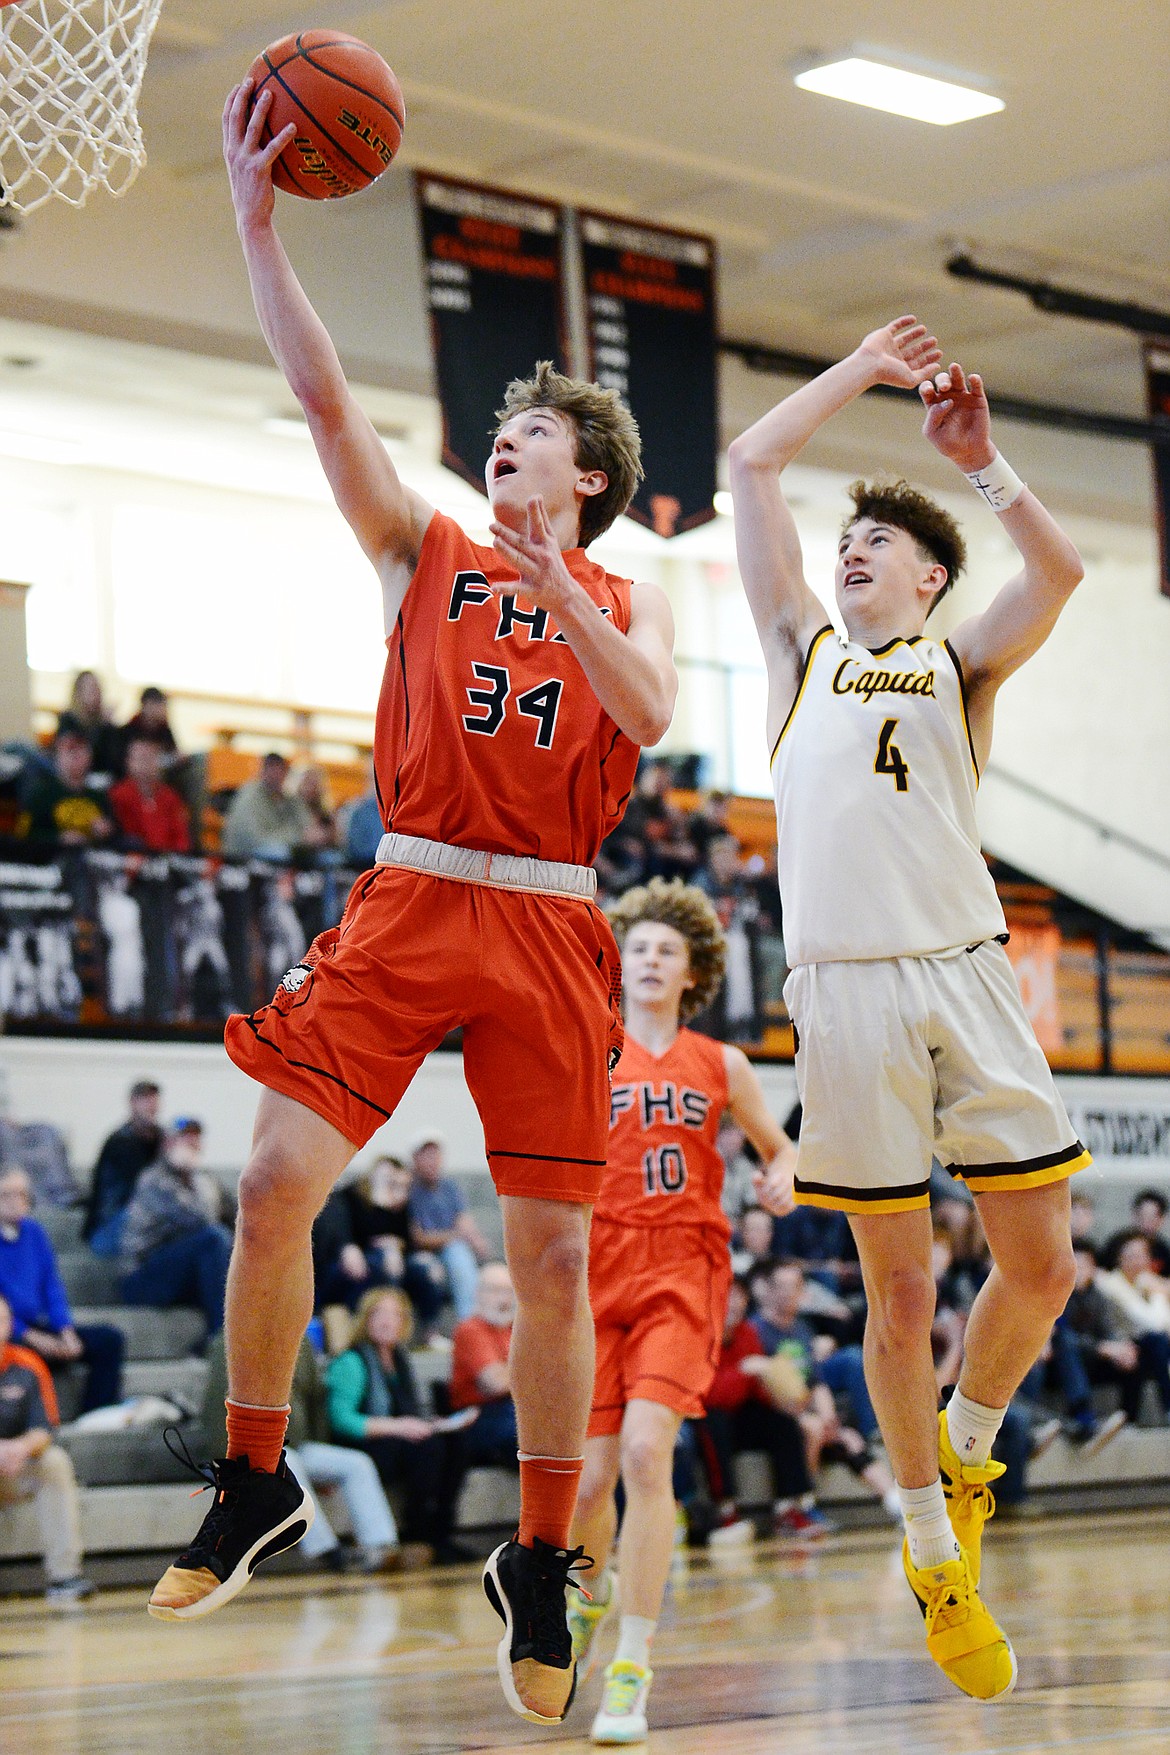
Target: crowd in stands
pixel 403 1381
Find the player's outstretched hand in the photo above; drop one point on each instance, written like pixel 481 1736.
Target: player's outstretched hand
pixel 249 163
pixel 536 556
pixel 774 1183
pixel 958 420
pixel 902 354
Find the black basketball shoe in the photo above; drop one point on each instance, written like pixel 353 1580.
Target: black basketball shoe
pixel 526 1588
pixel 252 1517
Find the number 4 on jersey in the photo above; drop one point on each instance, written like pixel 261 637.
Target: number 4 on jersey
pixel 889 757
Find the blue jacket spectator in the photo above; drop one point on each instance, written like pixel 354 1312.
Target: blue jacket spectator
pixel 31 1283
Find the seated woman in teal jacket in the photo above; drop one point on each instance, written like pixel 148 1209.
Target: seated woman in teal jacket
pixel 374 1406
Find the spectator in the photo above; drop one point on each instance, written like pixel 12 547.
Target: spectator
pixel 152 721
pixel 1082 1217
pixel 362 1239
pixel 1109 1352
pixel 87 712
pixel 751 1247
pixel 360 825
pixel 735 1014
pixel 708 823
pixel 441 1225
pixel 317 1462
pixel 479 1369
pixel 174 1251
pixel 33 1467
pixel 121 1161
pixel 1140 1302
pixel 62 805
pixel 827 1372
pixel 313 794
pixel 39 1148
pixel 743 1414
pixel 820 1242
pixel 741 1166
pixel 263 820
pixel 1147 1216
pixel 31 1284
pixel 150 814
pixel 374 1406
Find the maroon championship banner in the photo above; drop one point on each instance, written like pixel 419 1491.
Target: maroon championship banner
pixel 496 297
pixel 1158 390
pixel 650 314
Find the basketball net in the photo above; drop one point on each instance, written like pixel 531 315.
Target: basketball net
pixel 70 75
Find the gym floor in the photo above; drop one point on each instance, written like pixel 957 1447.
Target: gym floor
pixel 760 1649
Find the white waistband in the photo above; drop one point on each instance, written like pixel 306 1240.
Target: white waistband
pixel 500 871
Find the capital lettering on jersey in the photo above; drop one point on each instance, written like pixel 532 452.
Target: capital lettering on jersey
pixel 467 588
pixel 472 587
pixel 881 682
pixel 665 1106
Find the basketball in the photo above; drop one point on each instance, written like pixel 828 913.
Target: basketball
pixel 346 103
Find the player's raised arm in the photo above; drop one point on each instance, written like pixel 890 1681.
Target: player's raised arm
pixel 749 1109
pixel 785 610
pixel 388 519
pixel 1021 617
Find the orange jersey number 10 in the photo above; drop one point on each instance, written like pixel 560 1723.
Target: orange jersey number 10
pixel 665 1170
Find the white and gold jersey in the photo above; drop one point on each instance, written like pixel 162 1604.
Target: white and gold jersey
pixel 875 779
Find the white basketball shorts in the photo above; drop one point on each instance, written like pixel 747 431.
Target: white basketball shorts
pixel 900 1060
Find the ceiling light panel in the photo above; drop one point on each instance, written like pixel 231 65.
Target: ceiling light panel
pixel 878 86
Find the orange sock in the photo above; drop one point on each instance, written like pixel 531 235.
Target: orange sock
pixel 257 1433
pixel 548 1498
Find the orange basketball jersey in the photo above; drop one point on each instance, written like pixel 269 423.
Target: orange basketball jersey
pixel 488 733
pixel 662 1164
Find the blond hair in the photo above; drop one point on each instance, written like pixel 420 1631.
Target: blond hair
pixel 606 434
pixel 360 1333
pixel 670 902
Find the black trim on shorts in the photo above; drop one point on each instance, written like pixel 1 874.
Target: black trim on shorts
pixel 548 1158
pixel 303 1066
pixel 612 746
pixel 905 1191
pixel 1021 1167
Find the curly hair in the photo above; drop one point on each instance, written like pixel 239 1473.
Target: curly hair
pixel 934 531
pixel 688 910
pixel 606 433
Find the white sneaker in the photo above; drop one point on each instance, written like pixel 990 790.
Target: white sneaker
pixel 733 1535
pixel 622 1718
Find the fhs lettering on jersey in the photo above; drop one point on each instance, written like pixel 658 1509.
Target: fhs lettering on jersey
pixel 671 1108
pixel 469 587
pixel 882 682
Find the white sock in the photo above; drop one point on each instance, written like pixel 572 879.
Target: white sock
pixel 928 1527
pixel 634 1635
pixel 972 1428
pixel 601 1588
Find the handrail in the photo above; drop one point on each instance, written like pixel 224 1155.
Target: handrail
pixel 1075 814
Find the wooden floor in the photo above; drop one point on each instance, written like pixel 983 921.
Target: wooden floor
pixel 758 1651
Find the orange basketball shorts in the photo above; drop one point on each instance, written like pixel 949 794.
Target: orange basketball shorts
pixel 531 979
pixel 659 1297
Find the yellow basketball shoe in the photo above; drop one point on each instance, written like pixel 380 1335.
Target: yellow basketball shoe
pixel 961 1635
pixel 970 1501
pixel 585 1617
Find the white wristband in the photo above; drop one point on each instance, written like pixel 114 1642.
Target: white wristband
pixel 998 482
